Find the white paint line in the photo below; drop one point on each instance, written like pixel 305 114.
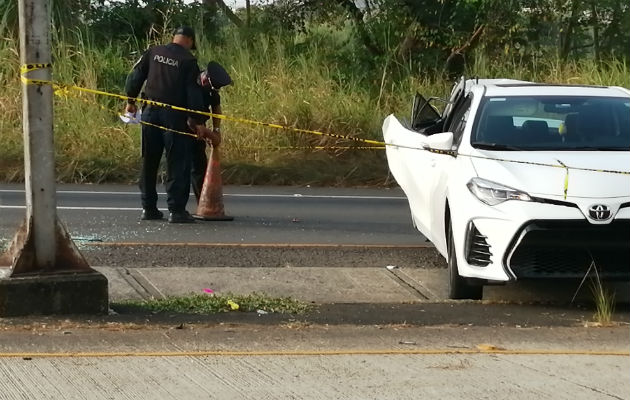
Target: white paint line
pixel 80 208
pixel 295 195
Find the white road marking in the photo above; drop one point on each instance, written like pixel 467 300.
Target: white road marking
pixel 295 195
pixel 82 208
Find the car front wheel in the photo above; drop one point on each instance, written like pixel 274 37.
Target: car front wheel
pixel 460 288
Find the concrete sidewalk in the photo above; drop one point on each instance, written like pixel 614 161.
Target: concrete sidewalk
pixel 331 285
pixel 313 362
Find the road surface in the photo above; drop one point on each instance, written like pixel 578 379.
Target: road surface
pixel 110 213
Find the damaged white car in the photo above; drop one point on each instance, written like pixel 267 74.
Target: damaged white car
pixel 518 180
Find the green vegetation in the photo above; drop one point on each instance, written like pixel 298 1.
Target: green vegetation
pixel 603 296
pixel 300 64
pixel 213 304
pixel 604 300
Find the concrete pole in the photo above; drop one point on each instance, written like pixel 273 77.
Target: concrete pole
pixel 48 274
pixel 37 106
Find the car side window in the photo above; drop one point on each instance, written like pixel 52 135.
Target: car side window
pixel 458 123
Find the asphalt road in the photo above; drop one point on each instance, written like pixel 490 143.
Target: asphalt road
pixel 263 215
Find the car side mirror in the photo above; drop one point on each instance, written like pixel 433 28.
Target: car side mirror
pixel 440 141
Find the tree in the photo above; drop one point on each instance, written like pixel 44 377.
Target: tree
pixel 227 10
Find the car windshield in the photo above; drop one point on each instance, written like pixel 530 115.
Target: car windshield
pixel 553 123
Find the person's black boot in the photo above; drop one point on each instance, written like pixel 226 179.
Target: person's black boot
pixel 151 214
pixel 180 217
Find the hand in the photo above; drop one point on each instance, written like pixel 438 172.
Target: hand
pixel 131 109
pixel 216 140
pixel 204 133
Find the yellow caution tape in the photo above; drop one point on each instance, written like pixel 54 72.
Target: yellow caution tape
pixel 314 147
pixel 63 89
pixel 187 110
pixel 168 129
pixel 32 67
pixel 566 179
pixel 62 92
pixel 609 171
pixel 65 93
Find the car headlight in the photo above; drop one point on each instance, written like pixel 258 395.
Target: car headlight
pixel 493 193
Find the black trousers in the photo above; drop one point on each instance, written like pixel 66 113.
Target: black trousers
pixel 178 148
pixel 199 165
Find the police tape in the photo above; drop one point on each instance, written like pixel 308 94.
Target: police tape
pixel 560 165
pixel 454 153
pixel 32 67
pixel 60 86
pixel 375 145
pixel 61 93
pixel 314 147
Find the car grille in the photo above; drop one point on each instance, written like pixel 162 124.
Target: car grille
pixel 565 249
pixel 477 248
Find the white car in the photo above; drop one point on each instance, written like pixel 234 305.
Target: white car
pixel 518 180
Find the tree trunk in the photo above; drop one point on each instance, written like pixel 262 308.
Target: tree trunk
pixel 368 8
pixel 567 37
pixel 227 10
pixel 595 23
pixel 612 34
pixel 248 7
pixel 357 16
pixel 455 65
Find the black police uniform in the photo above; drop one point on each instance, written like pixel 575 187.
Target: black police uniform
pixel 170 72
pixel 211 98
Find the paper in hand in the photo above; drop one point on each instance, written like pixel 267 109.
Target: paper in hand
pixel 132 119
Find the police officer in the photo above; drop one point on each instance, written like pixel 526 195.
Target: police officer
pixel 170 72
pixel 211 80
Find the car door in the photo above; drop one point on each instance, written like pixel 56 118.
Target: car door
pixel 442 166
pixel 420 172
pixel 411 166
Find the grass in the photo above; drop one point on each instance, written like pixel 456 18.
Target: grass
pixel 603 297
pixel 313 88
pixel 213 304
pixel 604 300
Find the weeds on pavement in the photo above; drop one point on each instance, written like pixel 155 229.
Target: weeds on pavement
pixel 603 297
pixel 213 304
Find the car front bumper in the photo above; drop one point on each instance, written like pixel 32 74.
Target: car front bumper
pixel 570 249
pixel 523 240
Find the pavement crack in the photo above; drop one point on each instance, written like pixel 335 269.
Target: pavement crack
pixel 400 278
pixel 128 277
pixel 146 284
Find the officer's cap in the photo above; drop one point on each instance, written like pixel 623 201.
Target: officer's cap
pixel 218 75
pixel 187 31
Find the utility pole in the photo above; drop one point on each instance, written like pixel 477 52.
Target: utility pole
pixel 37 117
pixel 47 274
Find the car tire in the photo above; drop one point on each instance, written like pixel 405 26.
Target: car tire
pixel 460 288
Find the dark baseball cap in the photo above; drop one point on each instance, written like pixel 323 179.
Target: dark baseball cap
pixel 218 75
pixel 187 31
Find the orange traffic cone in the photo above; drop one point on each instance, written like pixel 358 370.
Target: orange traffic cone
pixel 210 206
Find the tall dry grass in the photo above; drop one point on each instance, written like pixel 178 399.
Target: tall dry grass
pixel 273 83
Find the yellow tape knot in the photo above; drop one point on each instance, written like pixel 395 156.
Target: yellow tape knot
pixel 62 91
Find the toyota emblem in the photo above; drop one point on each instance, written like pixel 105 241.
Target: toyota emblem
pixel 599 212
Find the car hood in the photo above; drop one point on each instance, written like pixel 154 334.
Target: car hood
pixel 519 170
